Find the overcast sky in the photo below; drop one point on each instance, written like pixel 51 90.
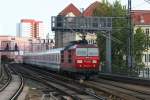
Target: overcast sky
pixel 11 11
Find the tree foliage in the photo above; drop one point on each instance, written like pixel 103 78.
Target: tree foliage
pixel 141 42
pixel 120 32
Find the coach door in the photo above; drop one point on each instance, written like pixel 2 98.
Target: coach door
pixel 69 56
pixel 62 56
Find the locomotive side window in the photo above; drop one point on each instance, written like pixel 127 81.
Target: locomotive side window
pixel 62 56
pixel 69 56
pixel 92 51
pixel 58 58
pixel 81 51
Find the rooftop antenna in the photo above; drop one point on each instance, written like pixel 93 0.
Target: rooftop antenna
pixel 83 32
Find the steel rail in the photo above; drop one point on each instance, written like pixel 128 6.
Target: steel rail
pixel 21 86
pixel 8 80
pixel 127 86
pixel 134 90
pixel 138 96
pixel 1 73
pixel 27 73
pixel 70 86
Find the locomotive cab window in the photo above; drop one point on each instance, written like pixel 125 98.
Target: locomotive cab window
pixel 81 51
pixel 87 52
pixel 92 52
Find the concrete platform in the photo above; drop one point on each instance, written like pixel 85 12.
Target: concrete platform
pixel 11 88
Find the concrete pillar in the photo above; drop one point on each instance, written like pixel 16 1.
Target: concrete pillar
pixel 108 52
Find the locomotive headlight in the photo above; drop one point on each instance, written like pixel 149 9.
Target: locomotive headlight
pixel 94 61
pixel 79 61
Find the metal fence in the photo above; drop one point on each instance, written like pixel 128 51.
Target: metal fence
pixel 131 72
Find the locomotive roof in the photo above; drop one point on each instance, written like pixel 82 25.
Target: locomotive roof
pixel 82 45
pixel 57 50
pixel 44 52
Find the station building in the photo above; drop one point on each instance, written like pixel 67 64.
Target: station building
pixel 30 28
pixel 141 18
pixel 62 38
pixel 24 45
pixel 9 42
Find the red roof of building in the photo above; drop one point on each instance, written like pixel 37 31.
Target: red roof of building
pixel 30 21
pixel 39 22
pixel 70 8
pixel 27 20
pixel 89 11
pixel 141 17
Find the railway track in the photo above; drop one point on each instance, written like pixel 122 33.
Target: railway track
pixel 122 90
pixel 117 90
pixel 76 92
pixel 13 84
pixel 5 78
pixel 1 73
pixel 89 89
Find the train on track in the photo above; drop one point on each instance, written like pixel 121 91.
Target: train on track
pixel 78 58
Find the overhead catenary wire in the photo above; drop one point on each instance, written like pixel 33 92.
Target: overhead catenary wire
pixel 142 3
pixel 148 1
pixel 104 35
pixel 138 5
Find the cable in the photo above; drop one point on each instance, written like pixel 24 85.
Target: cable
pixel 135 6
pixel 148 1
pixel 112 38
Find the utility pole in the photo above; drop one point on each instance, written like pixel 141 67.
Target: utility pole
pixel 108 52
pixel 83 31
pixel 130 37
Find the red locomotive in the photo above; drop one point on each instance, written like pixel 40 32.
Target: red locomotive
pixel 76 58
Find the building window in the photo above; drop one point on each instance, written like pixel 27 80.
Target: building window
pixel 147 31
pixel 146 58
pixel 147 36
pixel 149 58
pixel 92 41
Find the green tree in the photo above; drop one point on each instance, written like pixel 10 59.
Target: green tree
pixel 104 9
pixel 118 50
pixel 141 40
pixel 120 32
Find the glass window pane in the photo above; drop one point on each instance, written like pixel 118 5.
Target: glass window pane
pixel 81 51
pixel 92 51
pixel 149 57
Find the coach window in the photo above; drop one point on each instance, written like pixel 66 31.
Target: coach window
pixel 52 57
pixel 69 56
pixel 62 56
pixel 56 57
